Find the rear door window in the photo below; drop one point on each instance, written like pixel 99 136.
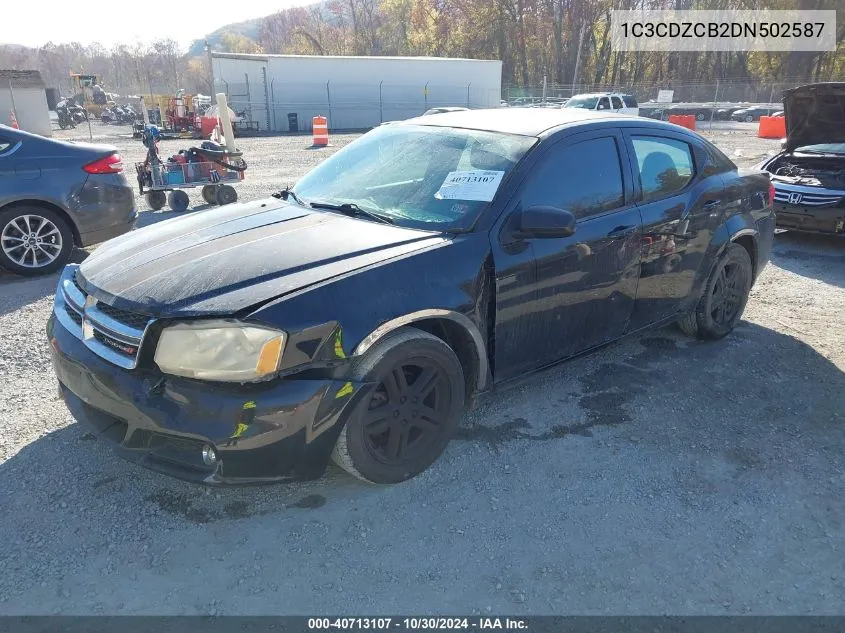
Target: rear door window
pixel 665 165
pixel 584 178
pixel 715 162
pixel 617 103
pixel 630 101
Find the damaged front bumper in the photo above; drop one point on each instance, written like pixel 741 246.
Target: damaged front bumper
pixel 281 430
pixel 810 209
pixel 828 220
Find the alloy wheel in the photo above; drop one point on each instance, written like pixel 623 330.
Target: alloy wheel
pixel 406 411
pixel 728 293
pixel 31 241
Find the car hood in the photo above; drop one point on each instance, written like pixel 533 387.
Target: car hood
pixel 235 257
pixel 814 114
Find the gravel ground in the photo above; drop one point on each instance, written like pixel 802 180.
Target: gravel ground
pixel 659 475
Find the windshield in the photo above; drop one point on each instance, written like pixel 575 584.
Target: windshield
pixel 587 103
pixel 418 176
pixel 823 148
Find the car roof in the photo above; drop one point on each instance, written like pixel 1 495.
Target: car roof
pixel 603 94
pixel 521 121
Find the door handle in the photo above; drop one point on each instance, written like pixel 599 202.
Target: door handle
pixel 622 231
pixel 711 204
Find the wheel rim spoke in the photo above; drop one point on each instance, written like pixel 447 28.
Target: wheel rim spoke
pixel 394 441
pixel 425 424
pixel 376 421
pixel 426 382
pixel 395 383
pixel 17 226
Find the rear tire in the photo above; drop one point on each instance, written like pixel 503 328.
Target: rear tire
pixel 178 200
pixel 226 194
pixel 34 240
pixel 209 194
pixel 723 297
pixel 405 424
pixel 156 200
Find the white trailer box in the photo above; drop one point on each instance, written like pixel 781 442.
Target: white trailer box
pixel 24 90
pixel 352 92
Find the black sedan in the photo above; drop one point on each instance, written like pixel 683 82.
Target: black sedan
pixel 358 314
pixel 57 194
pixel 748 115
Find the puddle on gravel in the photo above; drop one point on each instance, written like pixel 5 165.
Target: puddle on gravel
pixel 606 391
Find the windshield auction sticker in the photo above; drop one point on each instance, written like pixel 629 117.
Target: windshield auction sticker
pixel 476 185
pixel 762 30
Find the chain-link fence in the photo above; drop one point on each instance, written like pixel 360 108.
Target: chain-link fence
pixel 683 92
pixel 273 106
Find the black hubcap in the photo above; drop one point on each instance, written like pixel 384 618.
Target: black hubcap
pixel 407 411
pixel 727 294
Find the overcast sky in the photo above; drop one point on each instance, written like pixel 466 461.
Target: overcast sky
pixel 36 22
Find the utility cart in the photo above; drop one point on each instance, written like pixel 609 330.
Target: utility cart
pixel 216 178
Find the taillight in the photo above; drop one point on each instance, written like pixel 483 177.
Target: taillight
pixel 111 164
pixel 771 194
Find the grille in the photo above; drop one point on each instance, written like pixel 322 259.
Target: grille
pixel 76 282
pixel 804 198
pixel 74 315
pixel 115 335
pixel 132 319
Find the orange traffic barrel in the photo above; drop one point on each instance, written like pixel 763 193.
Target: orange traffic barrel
pixel 684 120
pixel 320 126
pixel 772 127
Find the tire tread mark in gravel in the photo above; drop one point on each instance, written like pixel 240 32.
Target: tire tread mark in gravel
pixel 182 506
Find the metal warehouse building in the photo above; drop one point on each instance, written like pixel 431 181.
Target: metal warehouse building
pixel 352 92
pixel 25 92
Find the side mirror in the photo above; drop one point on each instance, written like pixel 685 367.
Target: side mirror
pixel 541 221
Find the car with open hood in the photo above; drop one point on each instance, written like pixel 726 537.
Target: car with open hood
pixel 357 314
pixel 809 174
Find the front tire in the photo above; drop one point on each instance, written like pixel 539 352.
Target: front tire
pixel 723 298
pixel 34 240
pixel 406 423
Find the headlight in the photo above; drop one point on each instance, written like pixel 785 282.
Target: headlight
pixel 225 350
